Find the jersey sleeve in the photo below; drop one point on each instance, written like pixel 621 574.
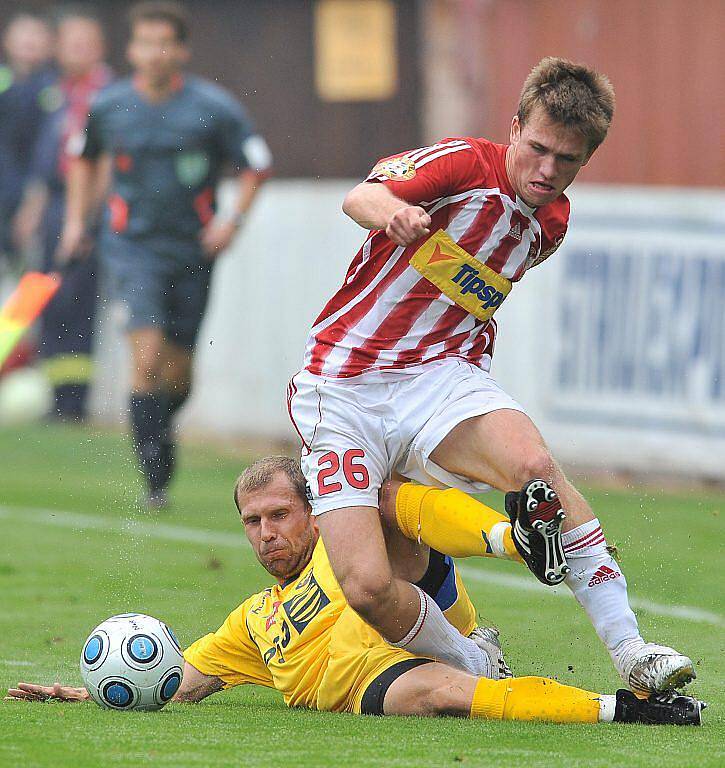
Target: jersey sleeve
pixel 230 653
pixel 44 159
pixel 239 141
pixel 426 174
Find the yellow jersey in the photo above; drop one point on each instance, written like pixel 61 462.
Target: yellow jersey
pixel 303 639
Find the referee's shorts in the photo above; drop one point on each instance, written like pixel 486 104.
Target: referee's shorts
pixel 160 286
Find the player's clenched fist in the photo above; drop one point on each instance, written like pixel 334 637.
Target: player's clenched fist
pixel 407 225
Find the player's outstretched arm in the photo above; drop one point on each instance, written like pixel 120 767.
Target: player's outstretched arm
pixel 195 686
pixel 374 206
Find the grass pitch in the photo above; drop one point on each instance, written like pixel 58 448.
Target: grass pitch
pixel 76 548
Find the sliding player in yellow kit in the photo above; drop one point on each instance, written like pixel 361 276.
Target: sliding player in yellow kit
pixel 302 638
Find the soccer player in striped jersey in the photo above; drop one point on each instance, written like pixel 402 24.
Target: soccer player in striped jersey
pixel 301 638
pixel 396 372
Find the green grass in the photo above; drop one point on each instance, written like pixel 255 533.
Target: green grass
pixel 57 582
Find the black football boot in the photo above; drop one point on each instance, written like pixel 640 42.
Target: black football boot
pixel 666 708
pixel 536 518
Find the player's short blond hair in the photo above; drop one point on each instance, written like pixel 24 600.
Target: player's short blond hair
pixel 572 94
pixel 260 473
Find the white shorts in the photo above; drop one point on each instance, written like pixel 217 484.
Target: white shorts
pixel 356 435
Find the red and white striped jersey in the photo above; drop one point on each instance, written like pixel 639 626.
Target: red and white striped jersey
pixel 397 309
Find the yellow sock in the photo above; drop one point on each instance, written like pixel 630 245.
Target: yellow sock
pixel 462 614
pixel 453 522
pixel 534 698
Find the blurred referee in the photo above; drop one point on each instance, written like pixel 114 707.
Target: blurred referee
pixel 168 135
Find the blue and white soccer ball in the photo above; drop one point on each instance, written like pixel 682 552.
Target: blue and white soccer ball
pixel 132 661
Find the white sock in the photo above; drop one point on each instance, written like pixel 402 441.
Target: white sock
pixel 599 586
pixel 607 708
pixel 432 636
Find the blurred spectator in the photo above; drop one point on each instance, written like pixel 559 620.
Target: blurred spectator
pixel 67 323
pixel 26 77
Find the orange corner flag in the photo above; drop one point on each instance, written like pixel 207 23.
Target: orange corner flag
pixel 24 305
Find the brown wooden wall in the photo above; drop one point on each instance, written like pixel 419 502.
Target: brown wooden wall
pixel 666 59
pixel 262 50
pixel 461 65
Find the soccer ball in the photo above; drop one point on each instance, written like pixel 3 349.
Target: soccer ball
pixel 132 661
pixel 25 396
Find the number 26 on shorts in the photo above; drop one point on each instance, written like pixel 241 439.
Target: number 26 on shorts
pixel 356 475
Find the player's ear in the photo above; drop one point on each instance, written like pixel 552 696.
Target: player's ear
pixel 515 133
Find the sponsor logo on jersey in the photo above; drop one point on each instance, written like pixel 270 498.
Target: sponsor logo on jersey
pixel 602 574
pixel 261 601
pixel 396 168
pixel 463 278
pixel 270 618
pixel 306 602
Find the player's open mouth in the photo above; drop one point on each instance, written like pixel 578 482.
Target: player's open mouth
pixel 539 186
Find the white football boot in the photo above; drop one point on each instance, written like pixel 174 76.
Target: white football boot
pixel 486 638
pixel 647 668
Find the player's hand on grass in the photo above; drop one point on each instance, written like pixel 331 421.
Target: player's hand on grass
pixel 216 236
pixel 407 225
pixel 57 692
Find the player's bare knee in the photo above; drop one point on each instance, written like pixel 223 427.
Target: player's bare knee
pixel 368 594
pixel 533 463
pixel 145 375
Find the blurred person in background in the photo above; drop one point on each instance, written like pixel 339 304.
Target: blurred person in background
pixel 67 323
pixel 26 77
pixel 169 136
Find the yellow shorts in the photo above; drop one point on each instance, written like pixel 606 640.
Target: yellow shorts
pixel 358 655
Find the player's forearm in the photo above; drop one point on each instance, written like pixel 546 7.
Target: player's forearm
pixel 372 206
pixel 196 686
pixel 30 213
pixel 101 184
pixel 248 184
pixel 81 188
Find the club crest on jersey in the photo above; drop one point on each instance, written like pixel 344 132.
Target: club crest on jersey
pixel 396 168
pixel 192 168
pixel 463 278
